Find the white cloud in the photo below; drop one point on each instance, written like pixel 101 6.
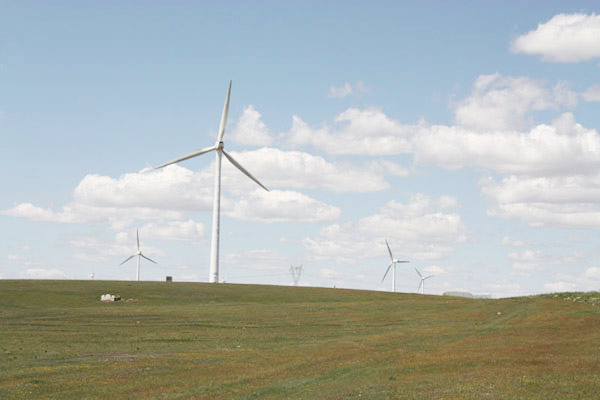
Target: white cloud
pixel 256 260
pixel 504 288
pixel 502 103
pixel 560 287
pixel 368 132
pixel 42 273
pixel 173 188
pixel 568 202
pixel 117 218
pixel 564 38
pixel 329 273
pixel 250 130
pixel 434 270
pixel 531 260
pixel 592 273
pixel 91 248
pixel 340 92
pixel 386 167
pixel 417 230
pixel 282 206
pixel 528 260
pixel 507 241
pixel 421 219
pixel 300 170
pixel 174 230
pixel 564 147
pixel 592 93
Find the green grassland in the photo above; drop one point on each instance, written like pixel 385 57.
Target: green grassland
pixel 206 341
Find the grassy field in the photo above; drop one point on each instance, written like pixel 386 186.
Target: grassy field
pixel 193 340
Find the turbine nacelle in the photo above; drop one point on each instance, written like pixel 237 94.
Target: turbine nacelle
pixel 422 283
pixel 219 147
pixel 139 255
pixel 392 264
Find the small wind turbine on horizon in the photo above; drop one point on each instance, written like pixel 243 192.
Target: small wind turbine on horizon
pixel 422 284
pixel 393 263
pixel 139 255
pixel 219 148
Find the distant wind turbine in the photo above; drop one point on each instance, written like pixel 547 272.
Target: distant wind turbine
pixel 422 284
pixel 219 147
pixel 139 255
pixel 393 263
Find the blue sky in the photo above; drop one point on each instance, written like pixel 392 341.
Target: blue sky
pixel 465 133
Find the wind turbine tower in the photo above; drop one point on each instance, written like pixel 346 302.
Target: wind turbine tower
pixel 139 255
pixel 296 272
pixel 392 263
pixel 422 284
pixel 219 148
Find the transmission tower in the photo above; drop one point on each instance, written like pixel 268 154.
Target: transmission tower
pixel 296 272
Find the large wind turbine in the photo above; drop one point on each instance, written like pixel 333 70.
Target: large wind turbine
pixel 220 151
pixel 394 262
pixel 422 284
pixel 139 255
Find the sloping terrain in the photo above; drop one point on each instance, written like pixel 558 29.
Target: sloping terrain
pixel 193 340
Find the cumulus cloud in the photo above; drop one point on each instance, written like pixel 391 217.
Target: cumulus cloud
pixel 174 230
pixel 341 91
pixel 566 202
pixel 560 287
pixel 300 170
pixel 260 260
pixel 502 103
pixel 592 93
pixel 565 147
pixel 507 241
pixel 419 229
pixel 355 131
pixel 282 206
pixel 169 193
pixel 329 273
pixel 528 260
pixel 74 213
pixel 434 270
pixel 565 38
pixel 172 187
pixel 251 130
pixel 91 248
pixel 42 273
pixel 421 219
pixel 531 260
pixel 504 288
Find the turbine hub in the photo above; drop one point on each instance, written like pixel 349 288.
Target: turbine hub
pixel 220 146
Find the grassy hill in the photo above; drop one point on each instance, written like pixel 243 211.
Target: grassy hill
pixel 193 340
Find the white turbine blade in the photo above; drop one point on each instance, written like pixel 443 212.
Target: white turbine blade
pixel 418 273
pixel 130 257
pixel 137 233
pixel 386 271
pixel 427 277
pixel 239 166
pixel 190 155
pixel 420 285
pixel 390 251
pixel 400 261
pixel 148 258
pixel 224 116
